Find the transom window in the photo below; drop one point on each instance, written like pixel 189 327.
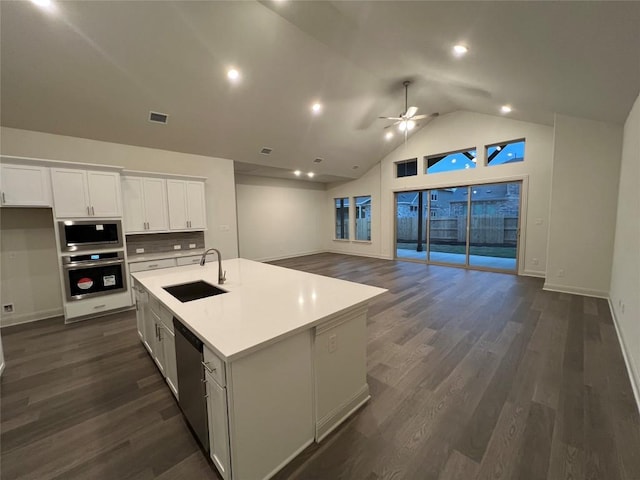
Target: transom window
pixel 449 162
pixel 505 152
pixel 407 168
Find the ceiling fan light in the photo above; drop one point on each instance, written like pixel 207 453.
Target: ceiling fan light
pixel 411 125
pixel 402 126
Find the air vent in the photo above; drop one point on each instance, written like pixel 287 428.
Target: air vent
pixel 317 160
pixel 266 151
pixel 156 117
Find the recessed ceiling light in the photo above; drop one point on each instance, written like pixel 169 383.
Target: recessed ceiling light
pixel 233 74
pixel 459 50
pixel 505 108
pixel 44 4
pixel 297 173
pixel 311 174
pixel 316 107
pixel 388 135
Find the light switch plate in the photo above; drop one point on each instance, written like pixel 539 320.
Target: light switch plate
pixel 139 250
pixel 192 245
pixel 177 247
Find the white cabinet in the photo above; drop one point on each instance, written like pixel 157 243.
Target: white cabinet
pixel 168 342
pixel 186 205
pixel 25 186
pixel 139 301
pixel 86 193
pixel 218 426
pixel 145 204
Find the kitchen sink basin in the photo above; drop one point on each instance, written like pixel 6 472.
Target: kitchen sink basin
pixel 187 292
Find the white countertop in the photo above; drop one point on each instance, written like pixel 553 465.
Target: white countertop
pixel 264 303
pixel 148 257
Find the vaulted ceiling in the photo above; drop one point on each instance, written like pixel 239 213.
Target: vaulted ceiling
pixel 95 69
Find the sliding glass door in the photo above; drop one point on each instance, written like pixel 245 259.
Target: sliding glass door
pixel 473 226
pixel 493 230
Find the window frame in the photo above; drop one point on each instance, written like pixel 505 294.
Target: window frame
pixel 344 226
pixel 405 162
pixel 462 151
pixel 505 143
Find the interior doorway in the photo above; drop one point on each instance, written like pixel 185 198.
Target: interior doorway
pixel 472 226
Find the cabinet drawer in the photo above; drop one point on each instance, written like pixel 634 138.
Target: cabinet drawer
pixel 191 260
pixel 152 265
pixel 215 366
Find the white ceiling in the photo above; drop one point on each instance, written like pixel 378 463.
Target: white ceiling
pixel 95 69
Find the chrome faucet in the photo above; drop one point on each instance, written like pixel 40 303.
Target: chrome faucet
pixel 221 276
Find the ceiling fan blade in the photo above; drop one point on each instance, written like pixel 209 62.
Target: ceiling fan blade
pixel 391 118
pixel 392 125
pixel 411 111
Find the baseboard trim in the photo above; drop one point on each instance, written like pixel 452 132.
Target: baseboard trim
pixel 288 459
pixel 333 419
pixel 634 377
pixel 17 319
pixel 533 273
pixel 587 292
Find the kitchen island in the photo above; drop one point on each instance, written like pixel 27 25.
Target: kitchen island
pixel 284 353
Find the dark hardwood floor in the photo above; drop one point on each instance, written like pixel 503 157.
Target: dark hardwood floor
pixel 473 375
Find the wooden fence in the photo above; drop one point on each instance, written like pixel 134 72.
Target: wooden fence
pixel 489 229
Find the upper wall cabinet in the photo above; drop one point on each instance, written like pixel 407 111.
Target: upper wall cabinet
pixel 86 193
pixel 145 204
pixel 186 205
pixel 25 186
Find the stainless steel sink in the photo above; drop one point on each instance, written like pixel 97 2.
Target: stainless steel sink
pixel 187 292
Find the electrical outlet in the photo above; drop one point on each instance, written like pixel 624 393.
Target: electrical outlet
pixel 139 250
pixel 534 261
pixel 7 308
pixel 224 228
pixel 177 247
pixel 538 221
pixel 333 343
pixel 192 245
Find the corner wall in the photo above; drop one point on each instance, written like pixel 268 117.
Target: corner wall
pixel 584 194
pixel 279 218
pixel 625 275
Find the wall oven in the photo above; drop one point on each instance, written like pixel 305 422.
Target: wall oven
pixel 94 274
pixel 89 234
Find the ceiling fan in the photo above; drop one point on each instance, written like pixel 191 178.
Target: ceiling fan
pixel 407 120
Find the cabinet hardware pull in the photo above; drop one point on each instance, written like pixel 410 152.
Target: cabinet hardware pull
pixel 99 306
pixel 206 365
pixel 206 396
pixel 152 266
pixel 88 211
pixel 93 212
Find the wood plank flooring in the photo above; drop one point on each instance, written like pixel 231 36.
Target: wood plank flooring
pixel 473 375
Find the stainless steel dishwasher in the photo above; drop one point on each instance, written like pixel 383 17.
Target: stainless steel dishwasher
pixel 191 386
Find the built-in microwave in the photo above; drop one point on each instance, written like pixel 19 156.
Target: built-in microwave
pixel 89 234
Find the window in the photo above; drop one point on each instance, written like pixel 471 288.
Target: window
pixel 448 162
pixel 363 217
pixel 505 152
pixel 342 218
pixel 434 196
pixel 407 168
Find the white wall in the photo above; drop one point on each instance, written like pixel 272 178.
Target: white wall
pixel 625 275
pixel 279 218
pixel 457 131
pixel 220 201
pixel 29 274
pixel 586 171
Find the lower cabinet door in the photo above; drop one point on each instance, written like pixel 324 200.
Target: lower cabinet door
pixel 218 427
pixel 170 366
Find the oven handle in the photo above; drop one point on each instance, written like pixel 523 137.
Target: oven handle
pixel 77 265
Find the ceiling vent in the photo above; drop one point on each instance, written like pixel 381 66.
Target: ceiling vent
pixel 156 117
pixel 317 160
pixel 266 151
